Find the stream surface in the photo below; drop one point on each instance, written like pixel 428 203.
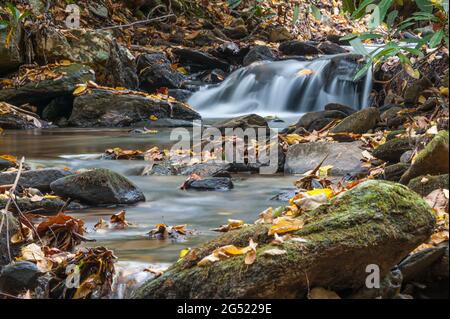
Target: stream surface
pixel 166 203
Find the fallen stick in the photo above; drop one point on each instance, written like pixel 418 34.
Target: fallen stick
pixel 137 22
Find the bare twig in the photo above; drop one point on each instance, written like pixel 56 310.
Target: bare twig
pixel 137 22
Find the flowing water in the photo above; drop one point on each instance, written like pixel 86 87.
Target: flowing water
pixel 286 87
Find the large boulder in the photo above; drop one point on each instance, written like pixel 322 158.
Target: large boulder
pixel 98 187
pixel 328 47
pixel 344 157
pixel 359 122
pixel 433 159
pixel 424 185
pixel 341 108
pixel 44 206
pixel 106 108
pixel 39 178
pixel 392 150
pixel 376 223
pixel 114 65
pixel 155 71
pixel 259 53
pixel 199 61
pixel 43 92
pixel 295 47
pixel 244 122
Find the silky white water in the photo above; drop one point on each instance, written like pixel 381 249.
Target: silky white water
pixel 285 87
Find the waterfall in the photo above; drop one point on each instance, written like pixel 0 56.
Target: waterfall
pixel 286 87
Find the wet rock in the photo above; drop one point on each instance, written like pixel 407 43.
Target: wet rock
pixel 39 178
pixel 114 64
pixel 43 92
pixel 155 71
pixel 104 108
pixel 180 94
pixel 18 277
pixel 5 164
pixel 414 91
pixel 341 108
pixel 309 118
pixel 392 150
pixel 98 187
pixel 424 185
pixel 390 113
pixel 46 206
pixel 359 122
pixel 231 52
pixel 236 33
pixel 244 122
pixel 417 266
pixel 379 222
pixel 285 195
pixel 295 47
pixel 211 184
pixel 390 287
pixel 328 47
pixel 394 172
pixel 198 61
pixel 207 170
pixel 335 38
pixel 14 118
pixel 439 270
pixel 259 53
pixel 433 159
pixel 344 157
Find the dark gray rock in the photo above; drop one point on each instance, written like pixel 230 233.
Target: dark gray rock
pixel 392 150
pixel 407 157
pixel 180 94
pixel 285 195
pixel 328 47
pixel 415 90
pixel 309 118
pixel 259 53
pixel 46 206
pixel 390 287
pixel 39 178
pixel 198 61
pixel 155 71
pixel 424 185
pixel 206 170
pixel 295 47
pixel 211 184
pixel 98 187
pixel 243 122
pixel 58 108
pixel 4 164
pixel 394 172
pixel 19 277
pixel 359 122
pixel 15 119
pixel 103 108
pixel 43 92
pixel 341 108
pixel 344 157
pixel 9 57
pixel 416 266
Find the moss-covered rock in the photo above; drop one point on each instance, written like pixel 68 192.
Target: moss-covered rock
pixel 392 150
pixel 433 159
pixel 394 172
pixel 424 185
pixel 375 223
pixel 98 187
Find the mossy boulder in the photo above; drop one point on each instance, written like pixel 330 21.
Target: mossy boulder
pixel 392 150
pixel 377 223
pixel 424 185
pixel 359 122
pixel 98 187
pixel 433 159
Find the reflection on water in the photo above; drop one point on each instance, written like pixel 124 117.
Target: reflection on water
pixel 165 202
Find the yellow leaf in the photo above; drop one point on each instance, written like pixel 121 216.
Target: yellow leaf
pixel 443 90
pixel 9 158
pixel 422 99
pixel 184 252
pixel 305 72
pixel 284 225
pixel 80 89
pixel 325 170
pixel 65 62
pixel 153 118
pixel 410 70
pixel 327 191
pixel 182 70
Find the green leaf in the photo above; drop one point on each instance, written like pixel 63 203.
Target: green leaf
pixel 361 73
pixel 437 38
pixel 391 18
pixel 425 5
pixel 361 10
pixel 315 12
pixel 296 13
pixel 233 4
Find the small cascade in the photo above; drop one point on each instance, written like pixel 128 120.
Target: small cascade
pixel 286 87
